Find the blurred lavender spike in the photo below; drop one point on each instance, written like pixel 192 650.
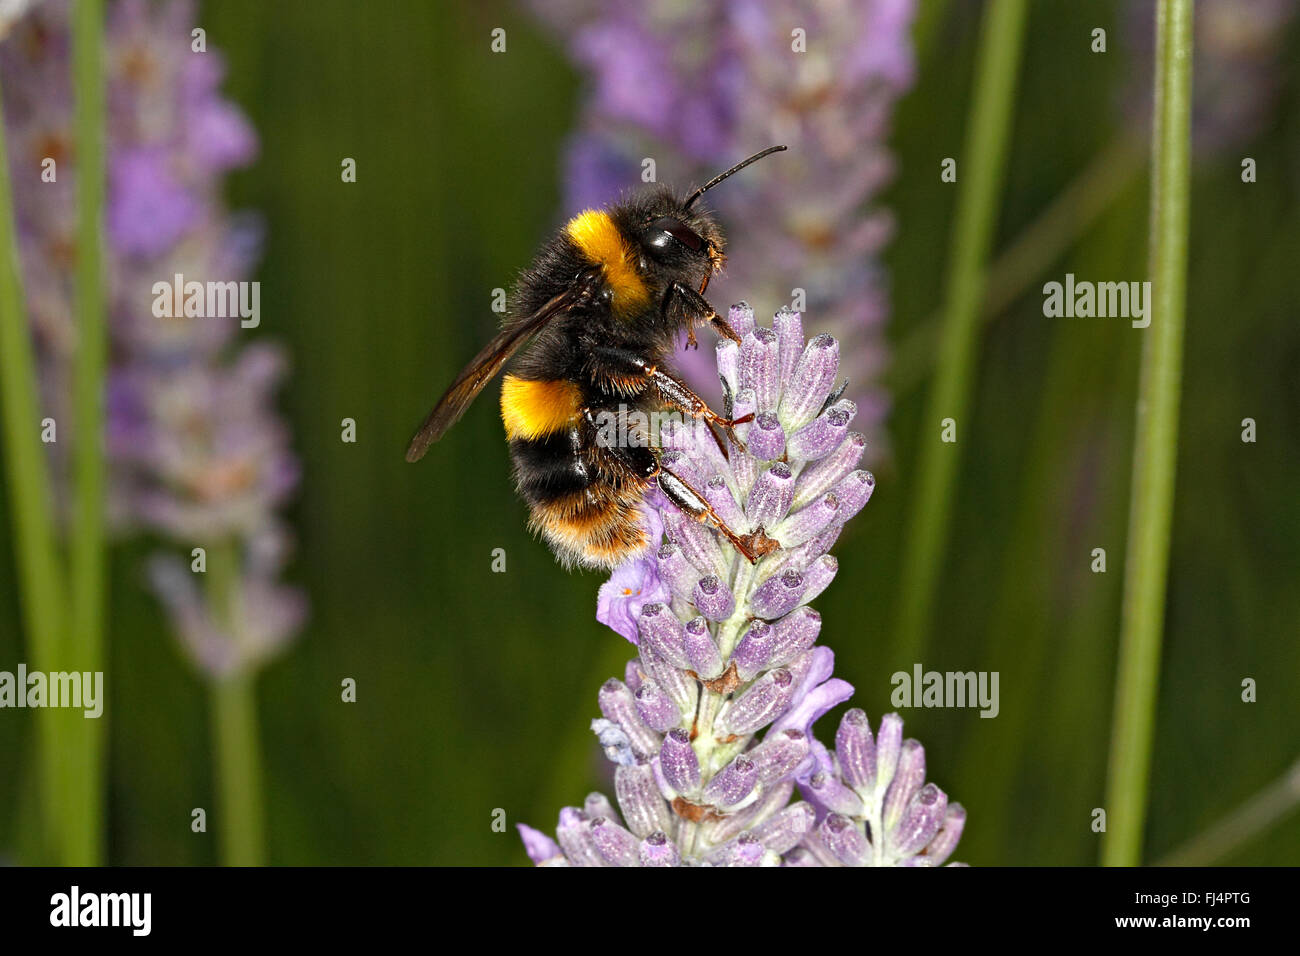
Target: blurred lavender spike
pixel 196 452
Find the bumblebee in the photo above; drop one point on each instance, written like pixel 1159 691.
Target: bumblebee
pixel 603 304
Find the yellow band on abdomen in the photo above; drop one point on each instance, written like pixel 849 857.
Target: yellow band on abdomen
pixel 534 408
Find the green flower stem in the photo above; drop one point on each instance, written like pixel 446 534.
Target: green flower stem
pixel 1155 445
pixel 1249 820
pixel 984 154
pixel 238 771
pixel 40 576
pixel 235 747
pixel 85 798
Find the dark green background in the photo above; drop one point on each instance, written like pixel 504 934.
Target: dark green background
pixel 475 689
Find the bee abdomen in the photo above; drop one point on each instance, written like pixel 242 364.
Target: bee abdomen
pixel 551 468
pixel 598 528
pixel 588 515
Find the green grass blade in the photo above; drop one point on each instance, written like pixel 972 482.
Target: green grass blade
pixel 1155 444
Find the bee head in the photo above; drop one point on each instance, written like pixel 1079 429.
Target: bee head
pixel 680 238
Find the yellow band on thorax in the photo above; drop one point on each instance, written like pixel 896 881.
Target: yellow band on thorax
pixel 595 233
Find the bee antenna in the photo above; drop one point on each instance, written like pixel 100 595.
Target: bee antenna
pixel 734 169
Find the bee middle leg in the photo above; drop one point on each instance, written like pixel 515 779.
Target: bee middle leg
pixel 675 393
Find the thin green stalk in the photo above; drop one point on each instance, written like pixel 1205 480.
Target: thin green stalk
pixel 1155 444
pixel 238 771
pixel 85 798
pixel 983 162
pixel 1250 819
pixel 39 573
pixel 235 746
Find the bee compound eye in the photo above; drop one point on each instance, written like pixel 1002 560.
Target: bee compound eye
pixel 666 227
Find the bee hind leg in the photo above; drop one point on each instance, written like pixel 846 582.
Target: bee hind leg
pixel 753 546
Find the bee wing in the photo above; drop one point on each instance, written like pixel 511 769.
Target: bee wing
pixel 462 392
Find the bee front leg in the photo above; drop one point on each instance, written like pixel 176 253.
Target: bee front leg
pixel 691 341
pixel 697 309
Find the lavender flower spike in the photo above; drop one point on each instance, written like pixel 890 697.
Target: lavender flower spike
pixel 874 805
pixel 713 722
